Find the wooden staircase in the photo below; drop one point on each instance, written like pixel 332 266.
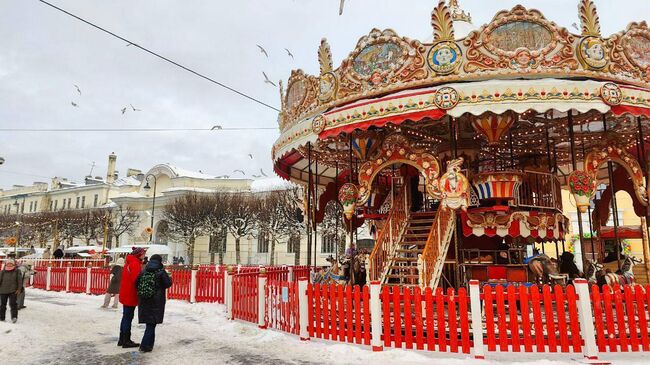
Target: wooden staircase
pixel 403 268
pixel 432 259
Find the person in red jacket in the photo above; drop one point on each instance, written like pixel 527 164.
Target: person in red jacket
pixel 129 295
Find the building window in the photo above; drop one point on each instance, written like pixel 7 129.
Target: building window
pixel 328 243
pixel 263 243
pixel 35 205
pixel 77 205
pixel 51 202
pixel 69 202
pixel 83 202
pixel 56 202
pixel 31 206
pixel 95 200
pixel 293 245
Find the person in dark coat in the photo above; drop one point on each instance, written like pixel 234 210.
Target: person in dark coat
pixel 58 253
pixel 11 283
pixel 151 311
pixel 113 290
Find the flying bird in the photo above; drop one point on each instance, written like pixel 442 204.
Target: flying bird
pixel 575 26
pixel 123 110
pixel 266 79
pixel 263 50
pixel 217 127
pixel 257 176
pixel 263 174
pixel 250 155
pixel 341 5
pixel 223 177
pixel 74 104
pixel 242 172
pixel 289 52
pixel 134 109
pixel 78 89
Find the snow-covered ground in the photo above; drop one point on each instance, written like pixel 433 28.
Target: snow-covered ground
pixel 60 328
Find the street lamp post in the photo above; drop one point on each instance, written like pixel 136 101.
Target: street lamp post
pixel 153 203
pixel 19 210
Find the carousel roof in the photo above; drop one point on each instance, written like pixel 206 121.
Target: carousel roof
pixel 519 62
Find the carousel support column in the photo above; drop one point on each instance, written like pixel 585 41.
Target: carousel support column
pixel 548 151
pixel 512 155
pixel 557 250
pixel 315 209
pixel 338 216
pixel 644 220
pixel 351 220
pixel 574 165
pixel 453 130
pixel 646 251
pixel 591 227
pixel 610 172
pixel 309 204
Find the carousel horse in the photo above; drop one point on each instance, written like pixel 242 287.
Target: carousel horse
pixel 625 276
pixel 593 268
pixel 332 275
pixel 354 268
pixel 546 271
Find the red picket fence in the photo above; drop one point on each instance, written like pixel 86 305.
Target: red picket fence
pixel 244 296
pixel 181 282
pixel 40 277
pixel 413 319
pixel 338 312
pixel 99 280
pixel 621 318
pixel 282 309
pixel 301 272
pixel 67 262
pixel 57 278
pixel 280 273
pixel 78 279
pixel 209 286
pixel 545 319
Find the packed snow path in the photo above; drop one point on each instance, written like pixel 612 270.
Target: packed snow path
pixel 61 328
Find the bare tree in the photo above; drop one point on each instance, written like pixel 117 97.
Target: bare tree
pixel 217 225
pixel 187 217
pixel 332 228
pixel 240 219
pixel 277 217
pixel 123 220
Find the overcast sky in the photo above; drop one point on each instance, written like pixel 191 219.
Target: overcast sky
pixel 43 53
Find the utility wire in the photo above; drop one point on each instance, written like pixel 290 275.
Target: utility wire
pixel 132 129
pixel 161 56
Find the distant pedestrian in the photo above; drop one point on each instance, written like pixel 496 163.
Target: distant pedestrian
pixel 181 261
pixel 113 289
pixel 47 254
pixel 151 284
pixel 58 253
pixel 175 260
pixel 32 250
pixel 128 295
pixel 10 285
pixel 26 271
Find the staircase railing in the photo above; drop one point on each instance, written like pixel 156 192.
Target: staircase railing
pixel 389 236
pixel 432 259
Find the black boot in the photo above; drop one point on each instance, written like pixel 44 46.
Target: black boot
pixel 120 342
pixel 145 349
pixel 127 343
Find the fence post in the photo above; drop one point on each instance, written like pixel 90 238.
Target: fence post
pixel 303 308
pixel 477 322
pixel 585 317
pixel 375 316
pixel 193 284
pixel 290 275
pixel 67 278
pixel 48 277
pixel 88 278
pixel 261 296
pixel 229 273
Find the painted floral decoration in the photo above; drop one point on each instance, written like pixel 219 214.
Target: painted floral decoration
pixel 581 183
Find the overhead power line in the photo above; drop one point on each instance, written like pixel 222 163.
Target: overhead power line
pixel 160 56
pixel 134 129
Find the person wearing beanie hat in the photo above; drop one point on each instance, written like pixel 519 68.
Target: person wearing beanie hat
pixel 152 283
pixel 113 289
pixel 128 295
pixel 10 286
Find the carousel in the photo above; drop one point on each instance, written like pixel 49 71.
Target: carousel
pixel 455 150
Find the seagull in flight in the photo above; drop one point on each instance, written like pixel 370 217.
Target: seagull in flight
pixel 575 26
pixel 134 109
pixel 263 50
pixel 78 89
pixel 123 110
pixel 216 127
pixel 242 172
pixel 289 52
pixel 263 174
pixel 341 5
pixel 74 104
pixel 250 155
pixel 266 79
pixel 257 176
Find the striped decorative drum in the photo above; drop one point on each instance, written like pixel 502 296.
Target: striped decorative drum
pixel 496 185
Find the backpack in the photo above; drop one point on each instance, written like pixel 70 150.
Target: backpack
pixel 147 285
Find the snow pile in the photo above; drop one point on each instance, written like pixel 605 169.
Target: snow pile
pixel 270 184
pixel 60 328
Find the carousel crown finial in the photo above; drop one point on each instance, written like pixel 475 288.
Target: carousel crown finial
pixel 457 13
pixel 589 18
pixel 442 23
pixel 325 57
